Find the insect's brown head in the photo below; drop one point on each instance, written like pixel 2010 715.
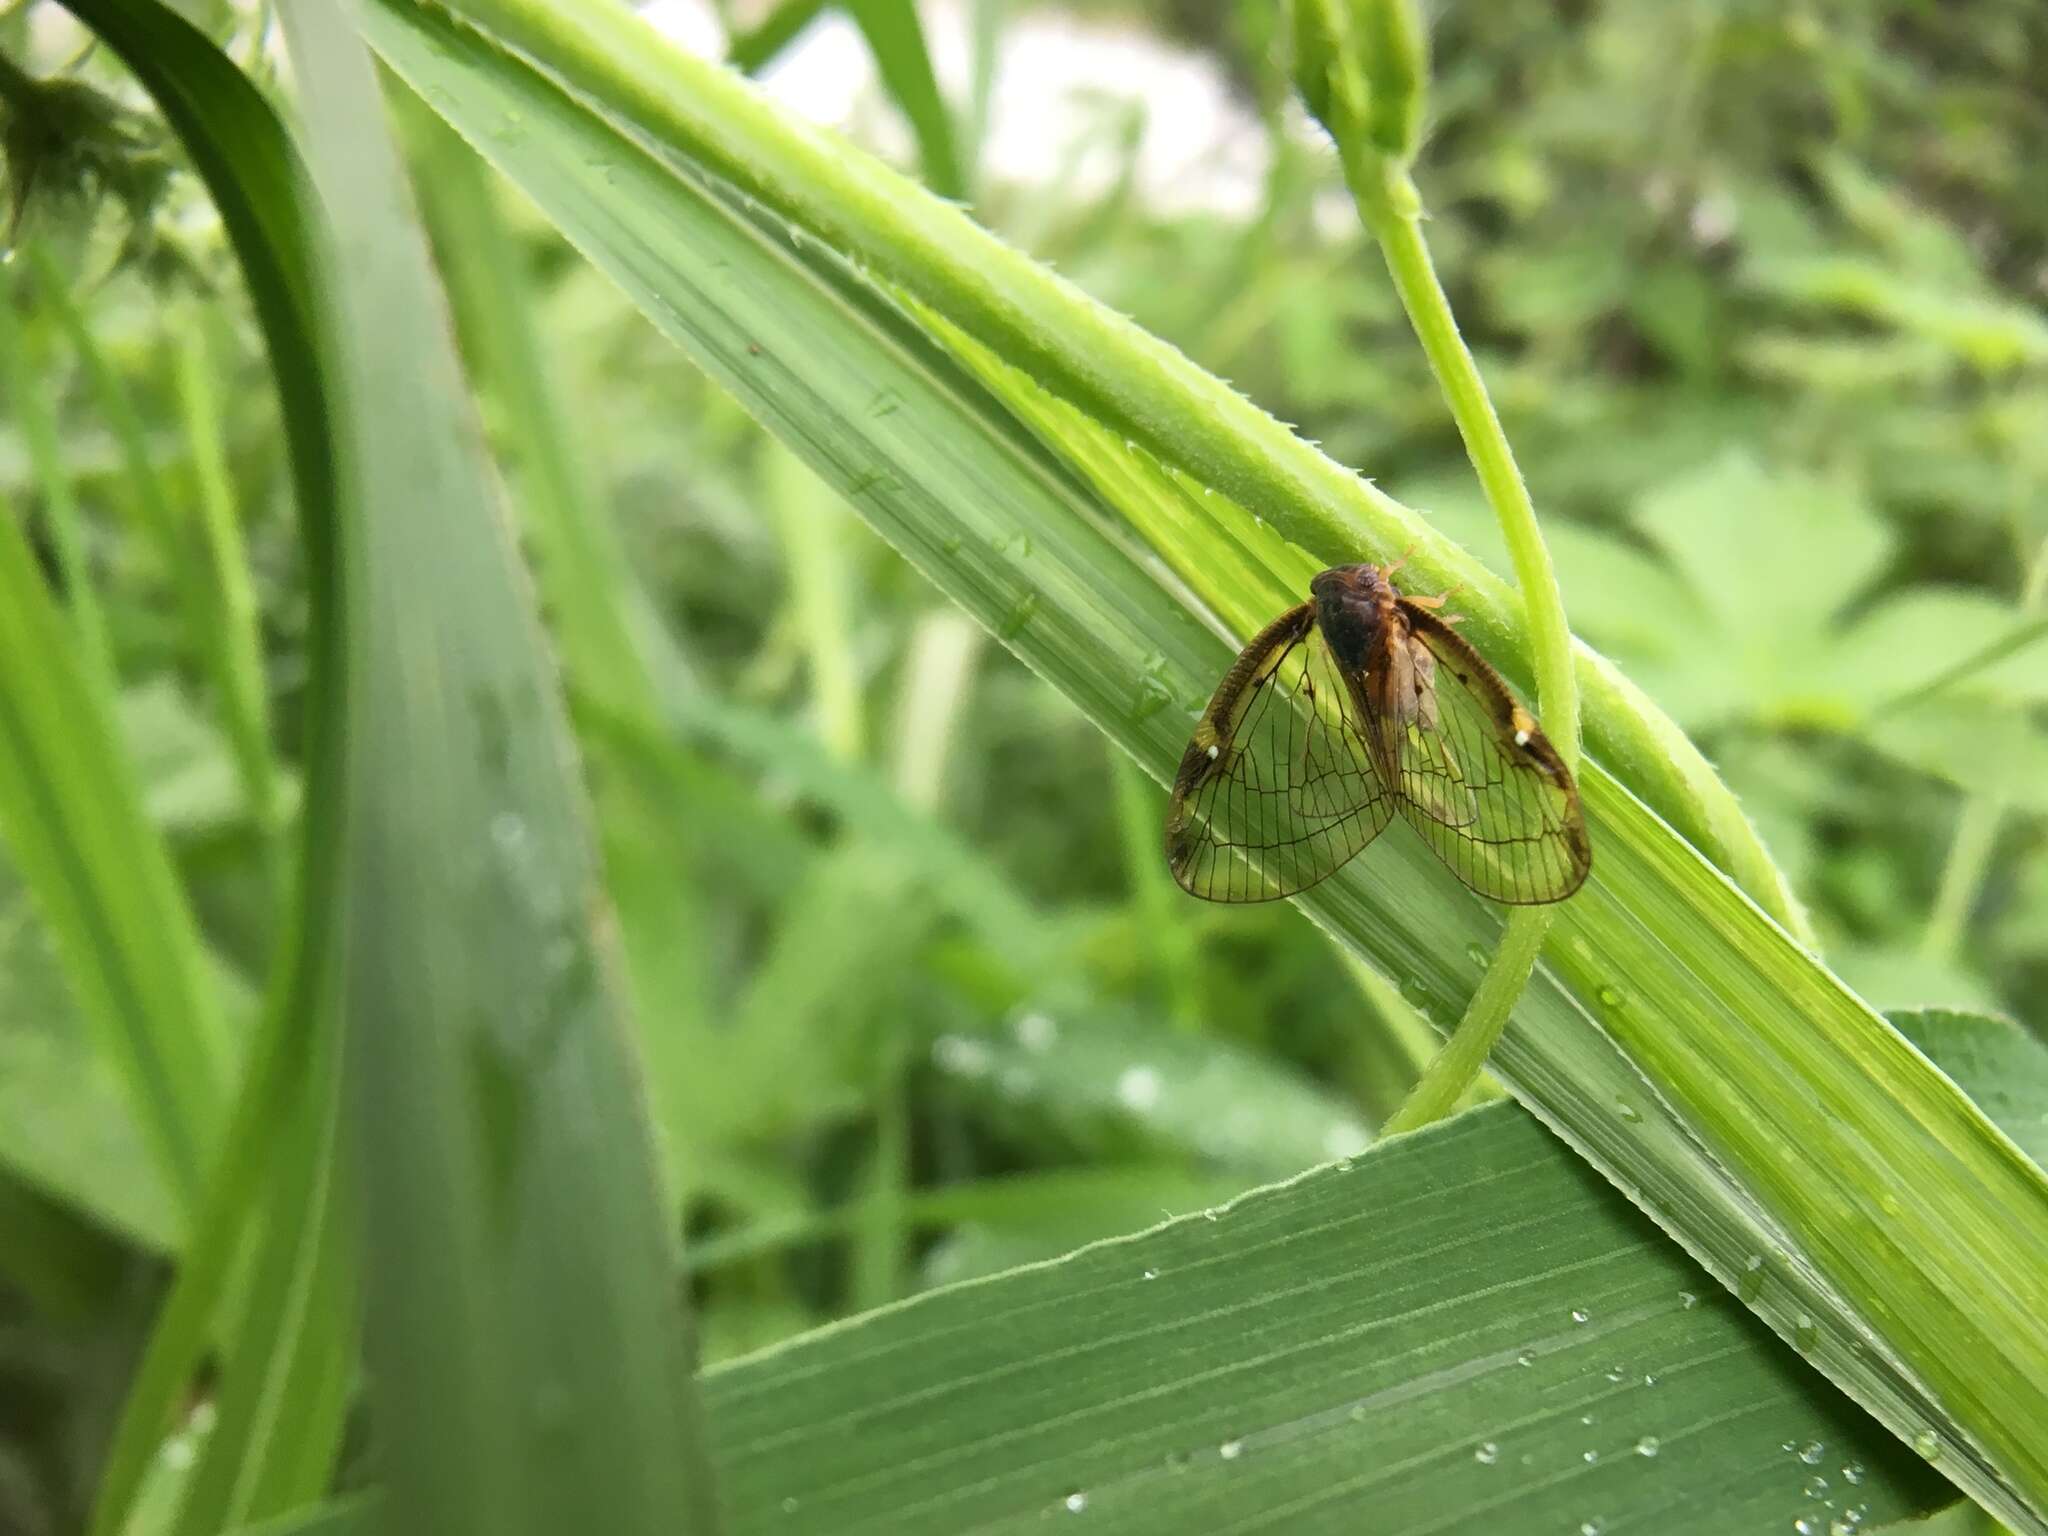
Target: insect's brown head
pixel 1339 582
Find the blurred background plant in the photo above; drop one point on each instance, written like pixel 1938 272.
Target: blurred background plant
pixel 1760 291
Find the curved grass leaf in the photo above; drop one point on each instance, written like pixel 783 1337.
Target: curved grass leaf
pixel 1800 1149
pixel 282 1354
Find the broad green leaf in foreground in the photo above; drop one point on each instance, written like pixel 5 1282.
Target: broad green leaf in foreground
pixel 1462 1326
pixel 1801 1151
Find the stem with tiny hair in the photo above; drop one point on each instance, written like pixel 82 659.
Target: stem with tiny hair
pixel 1391 209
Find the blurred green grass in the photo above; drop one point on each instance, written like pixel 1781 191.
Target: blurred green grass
pixel 1802 289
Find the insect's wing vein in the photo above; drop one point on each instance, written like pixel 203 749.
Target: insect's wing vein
pixel 1277 789
pixel 1482 784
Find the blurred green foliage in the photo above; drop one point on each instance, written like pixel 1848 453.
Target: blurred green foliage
pixel 1760 292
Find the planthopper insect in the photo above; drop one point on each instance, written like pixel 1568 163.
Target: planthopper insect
pixel 1359 703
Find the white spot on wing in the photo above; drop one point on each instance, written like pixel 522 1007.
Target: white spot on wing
pixel 1216 751
pixel 1521 738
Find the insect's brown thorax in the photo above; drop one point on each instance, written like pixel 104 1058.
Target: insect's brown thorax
pixel 1357 612
pixel 1368 633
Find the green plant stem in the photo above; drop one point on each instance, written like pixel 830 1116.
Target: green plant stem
pixel 1392 211
pixel 1463 1058
pixel 1976 834
pixel 1962 876
pixel 1388 204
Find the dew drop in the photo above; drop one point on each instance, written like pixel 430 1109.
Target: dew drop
pixel 1592 1527
pixel 1152 697
pixel 1580 1315
pixel 1627 1112
pixel 1805 1333
pixel 1615 1373
pixel 1076 1502
pixel 1812 1452
pixel 1018 617
pixel 1589 1457
pixel 1750 1283
pixel 1487 1454
pixel 1230 1450
pixel 1852 1473
pixel 1804 1526
pixel 1928 1444
pixel 1649 1445
pixel 789 1505
pixel 1687 1300
pixel 1036 1032
pixel 1138 1089
pixel 1816 1486
pixel 1525 1358
pixel 508 831
pixel 1151 1274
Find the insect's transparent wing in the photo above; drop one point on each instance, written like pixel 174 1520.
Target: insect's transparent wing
pixel 1277 788
pixel 1480 781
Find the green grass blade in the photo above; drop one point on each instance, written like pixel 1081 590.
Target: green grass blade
pixel 72 815
pixel 896 38
pixel 233 615
pixel 67 1125
pixel 31 401
pixel 1801 1151
pixel 529 1353
pixel 756 48
pixel 284 1355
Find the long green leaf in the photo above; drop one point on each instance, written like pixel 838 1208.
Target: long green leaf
pixel 1799 1148
pixel 72 815
pixel 528 1350
pixel 283 1375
